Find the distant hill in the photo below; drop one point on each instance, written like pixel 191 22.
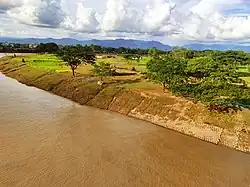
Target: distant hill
pixel 124 43
pixel 220 47
pixel 131 44
pixel 105 43
pixel 63 41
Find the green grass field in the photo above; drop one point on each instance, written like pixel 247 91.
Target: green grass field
pixel 121 63
pixel 47 62
pixel 50 62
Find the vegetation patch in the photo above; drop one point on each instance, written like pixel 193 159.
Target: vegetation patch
pixel 224 120
pixel 213 79
pixel 27 74
pixel 49 81
pixel 125 101
pixel 105 97
pixel 77 90
pixel 7 65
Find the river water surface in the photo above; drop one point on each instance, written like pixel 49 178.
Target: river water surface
pixel 46 140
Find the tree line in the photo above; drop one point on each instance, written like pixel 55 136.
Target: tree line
pixel 53 47
pixel 128 53
pixel 212 77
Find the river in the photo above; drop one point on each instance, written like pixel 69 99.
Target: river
pixel 46 140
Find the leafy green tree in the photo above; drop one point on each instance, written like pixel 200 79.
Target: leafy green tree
pixel 47 47
pixel 232 57
pixel 207 67
pixel 103 69
pixel 131 57
pixel 201 67
pixel 96 48
pixel 180 52
pixel 189 54
pixel 153 52
pixel 168 71
pixel 137 58
pixel 127 57
pixel 74 56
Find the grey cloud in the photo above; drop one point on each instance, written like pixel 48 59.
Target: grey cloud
pixel 8 4
pixel 50 13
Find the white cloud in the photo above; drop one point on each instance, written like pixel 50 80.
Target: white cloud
pixel 203 20
pixel 50 13
pixel 47 13
pixel 85 20
pixel 8 4
pixel 122 16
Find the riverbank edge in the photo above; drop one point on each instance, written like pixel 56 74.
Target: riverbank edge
pixel 170 112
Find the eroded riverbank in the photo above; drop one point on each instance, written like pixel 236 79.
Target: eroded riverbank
pixel 168 111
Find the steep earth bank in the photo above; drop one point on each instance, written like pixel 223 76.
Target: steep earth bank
pixel 179 114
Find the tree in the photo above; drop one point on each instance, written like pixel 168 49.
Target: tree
pixel 168 71
pixel 153 52
pixel 47 47
pixel 189 54
pixel 201 67
pixel 74 56
pixel 96 48
pixel 131 57
pixel 51 47
pixel 180 52
pixel 233 57
pixel 127 57
pixel 137 58
pixel 103 69
pixel 206 68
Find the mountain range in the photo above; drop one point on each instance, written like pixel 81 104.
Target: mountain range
pixel 105 43
pixel 124 43
pixel 219 47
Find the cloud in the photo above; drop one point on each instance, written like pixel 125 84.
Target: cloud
pixel 42 13
pixel 207 22
pixel 122 16
pixel 50 13
pixel 200 20
pixel 208 7
pixel 85 20
pixel 9 4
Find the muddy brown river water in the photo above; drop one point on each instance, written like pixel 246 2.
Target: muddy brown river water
pixel 46 140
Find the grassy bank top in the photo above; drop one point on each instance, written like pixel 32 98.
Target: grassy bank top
pixel 126 78
pixel 124 67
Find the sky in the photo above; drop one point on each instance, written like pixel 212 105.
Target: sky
pixel 171 22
